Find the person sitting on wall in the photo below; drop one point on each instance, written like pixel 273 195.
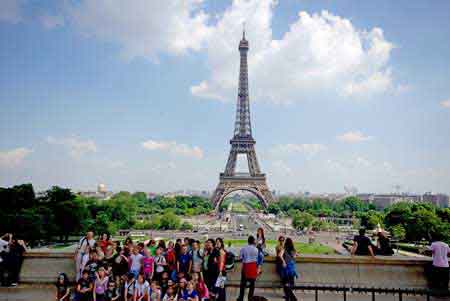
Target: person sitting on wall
pixel 362 245
pixel 384 245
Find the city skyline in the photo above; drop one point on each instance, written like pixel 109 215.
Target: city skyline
pixel 143 97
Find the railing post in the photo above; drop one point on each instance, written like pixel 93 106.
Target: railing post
pixel 400 296
pixel 373 295
pixel 317 294
pixel 345 294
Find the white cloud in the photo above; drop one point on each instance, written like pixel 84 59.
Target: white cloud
pixel 360 161
pixel 446 103
pixel 320 53
pixel 11 11
pixel 51 22
pixel 14 157
pixel 174 148
pixel 143 28
pixel 282 167
pixel 353 137
pixel 308 149
pixel 74 145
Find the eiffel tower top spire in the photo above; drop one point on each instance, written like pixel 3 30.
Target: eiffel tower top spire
pixel 242 126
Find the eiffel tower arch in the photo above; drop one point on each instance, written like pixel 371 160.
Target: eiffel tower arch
pixel 242 143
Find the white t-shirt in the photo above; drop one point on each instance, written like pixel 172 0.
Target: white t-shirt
pixel 85 243
pixel 136 262
pixel 440 254
pixel 142 289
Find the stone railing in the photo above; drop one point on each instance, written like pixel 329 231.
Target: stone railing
pixel 385 272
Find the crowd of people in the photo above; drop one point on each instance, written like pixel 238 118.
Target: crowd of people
pixel 185 269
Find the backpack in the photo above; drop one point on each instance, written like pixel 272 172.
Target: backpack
pixel 229 260
pixel 289 270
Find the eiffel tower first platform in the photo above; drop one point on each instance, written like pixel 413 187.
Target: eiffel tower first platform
pixel 242 143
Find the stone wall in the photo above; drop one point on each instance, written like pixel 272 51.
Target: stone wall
pixel 386 272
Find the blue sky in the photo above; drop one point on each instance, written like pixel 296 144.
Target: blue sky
pixel 142 96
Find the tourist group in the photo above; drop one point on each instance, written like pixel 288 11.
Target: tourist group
pixel 185 269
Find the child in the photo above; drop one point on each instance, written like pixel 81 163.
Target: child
pixel 170 295
pixel 141 289
pixel 112 293
pixel 189 294
pixel 184 260
pixel 84 287
pixel 136 262
pixel 154 292
pixel 100 285
pixel 164 282
pixel 171 260
pixel 92 265
pixel 62 288
pixel 200 286
pixel 181 287
pixel 128 289
pixel 160 263
pixel 148 263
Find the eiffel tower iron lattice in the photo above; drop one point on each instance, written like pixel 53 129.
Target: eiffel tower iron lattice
pixel 242 143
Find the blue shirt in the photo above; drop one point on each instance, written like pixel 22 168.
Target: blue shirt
pixel 249 254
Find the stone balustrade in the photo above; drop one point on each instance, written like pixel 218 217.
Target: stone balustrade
pixel 385 272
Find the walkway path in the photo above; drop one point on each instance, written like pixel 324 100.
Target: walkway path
pixel 47 292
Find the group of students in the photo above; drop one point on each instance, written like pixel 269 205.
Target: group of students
pixel 107 270
pixel 11 258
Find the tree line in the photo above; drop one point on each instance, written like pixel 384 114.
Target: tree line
pixel 59 213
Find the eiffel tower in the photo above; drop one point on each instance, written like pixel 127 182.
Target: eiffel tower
pixel 242 143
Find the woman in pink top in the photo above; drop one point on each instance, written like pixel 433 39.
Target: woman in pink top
pixel 147 265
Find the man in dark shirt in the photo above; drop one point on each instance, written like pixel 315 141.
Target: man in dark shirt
pixel 362 245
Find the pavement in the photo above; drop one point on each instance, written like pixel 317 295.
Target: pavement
pixel 47 292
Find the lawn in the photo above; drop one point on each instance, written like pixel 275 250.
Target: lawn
pixel 302 248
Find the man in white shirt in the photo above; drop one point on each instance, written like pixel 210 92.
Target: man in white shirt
pixel 440 272
pixel 86 242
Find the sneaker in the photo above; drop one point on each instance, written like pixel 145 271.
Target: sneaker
pixel 14 284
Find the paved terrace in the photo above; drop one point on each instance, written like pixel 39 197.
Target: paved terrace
pixel 41 268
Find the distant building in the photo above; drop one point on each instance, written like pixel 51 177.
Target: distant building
pixel 102 193
pixel 440 200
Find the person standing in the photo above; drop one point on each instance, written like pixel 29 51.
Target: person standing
pixel 440 267
pixel 289 273
pixel 87 242
pixel 249 258
pixel 362 245
pixel 278 253
pixel 220 292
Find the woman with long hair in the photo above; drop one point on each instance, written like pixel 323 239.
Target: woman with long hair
pixel 261 240
pixel 288 272
pixel 221 258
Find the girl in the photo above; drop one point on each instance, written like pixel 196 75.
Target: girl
pixel 62 288
pixel 189 294
pixel 171 260
pixel 155 293
pixel 160 264
pixel 105 241
pixel 147 265
pixel 200 286
pixel 84 287
pixel 100 285
pixel 261 241
pixel 220 291
pixel 128 288
pixel 171 294
pixel 289 273
pixel 141 288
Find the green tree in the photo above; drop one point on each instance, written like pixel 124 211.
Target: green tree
pixel 302 220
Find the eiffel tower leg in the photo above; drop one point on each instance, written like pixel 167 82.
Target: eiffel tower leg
pixel 231 163
pixel 253 166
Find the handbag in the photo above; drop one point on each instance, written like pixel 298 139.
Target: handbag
pixel 220 282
